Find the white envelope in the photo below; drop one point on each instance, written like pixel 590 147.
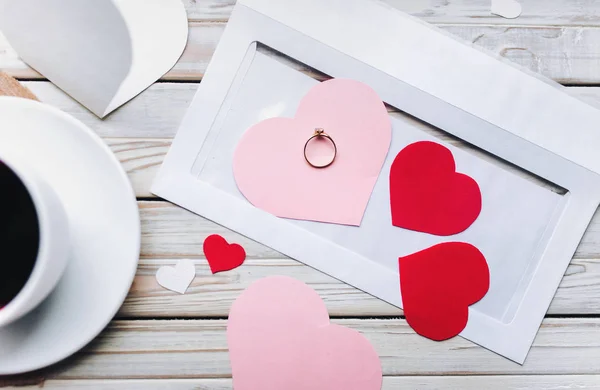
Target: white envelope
pixel 530 146
pixel 103 52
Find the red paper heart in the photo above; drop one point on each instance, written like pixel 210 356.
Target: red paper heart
pixel 221 255
pixel 428 195
pixel 439 284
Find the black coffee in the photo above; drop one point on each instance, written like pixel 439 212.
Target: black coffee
pixel 19 235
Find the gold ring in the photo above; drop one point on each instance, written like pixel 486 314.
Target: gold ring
pixel 320 133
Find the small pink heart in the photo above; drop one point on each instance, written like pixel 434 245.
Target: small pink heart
pixel 280 337
pixel 270 169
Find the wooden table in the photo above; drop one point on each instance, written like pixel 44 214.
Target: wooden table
pixel 163 340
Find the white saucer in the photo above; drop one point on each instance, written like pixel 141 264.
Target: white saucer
pixel 105 229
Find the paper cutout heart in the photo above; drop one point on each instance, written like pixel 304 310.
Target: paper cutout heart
pixel 271 172
pixel 177 278
pixel 508 9
pixel 439 284
pixel 428 195
pixel 221 255
pixel 280 337
pixel 102 52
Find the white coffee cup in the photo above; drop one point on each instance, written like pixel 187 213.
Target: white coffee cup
pixel 54 241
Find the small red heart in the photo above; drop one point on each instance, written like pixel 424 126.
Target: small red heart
pixel 439 284
pixel 428 195
pixel 221 255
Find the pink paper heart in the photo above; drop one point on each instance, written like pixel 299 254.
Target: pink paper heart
pixel 280 337
pixel 270 169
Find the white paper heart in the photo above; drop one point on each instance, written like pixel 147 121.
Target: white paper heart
pixel 177 278
pixel 102 52
pixel 508 9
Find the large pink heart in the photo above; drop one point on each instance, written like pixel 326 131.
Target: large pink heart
pixel 280 337
pixel 270 169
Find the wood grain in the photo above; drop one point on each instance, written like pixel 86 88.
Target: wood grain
pixel 535 12
pixel 140 132
pixel 566 54
pixel 170 233
pixel 210 296
pixel 488 382
pixel 141 158
pixel 557 38
pixel 157 112
pixel 11 87
pixel 198 349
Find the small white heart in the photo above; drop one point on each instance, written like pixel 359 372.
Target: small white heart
pixel 177 278
pixel 508 9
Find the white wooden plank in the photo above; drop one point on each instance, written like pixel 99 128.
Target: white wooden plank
pixel 141 158
pixel 140 132
pixel 569 55
pixel 566 54
pixel 155 113
pixel 209 10
pixel 170 231
pixel 198 349
pixel 158 111
pixel 211 296
pixel 531 382
pixel 535 12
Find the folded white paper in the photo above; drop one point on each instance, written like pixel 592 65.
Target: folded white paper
pixel 103 52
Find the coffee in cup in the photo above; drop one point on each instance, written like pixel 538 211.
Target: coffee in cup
pixel 19 235
pixel 34 238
